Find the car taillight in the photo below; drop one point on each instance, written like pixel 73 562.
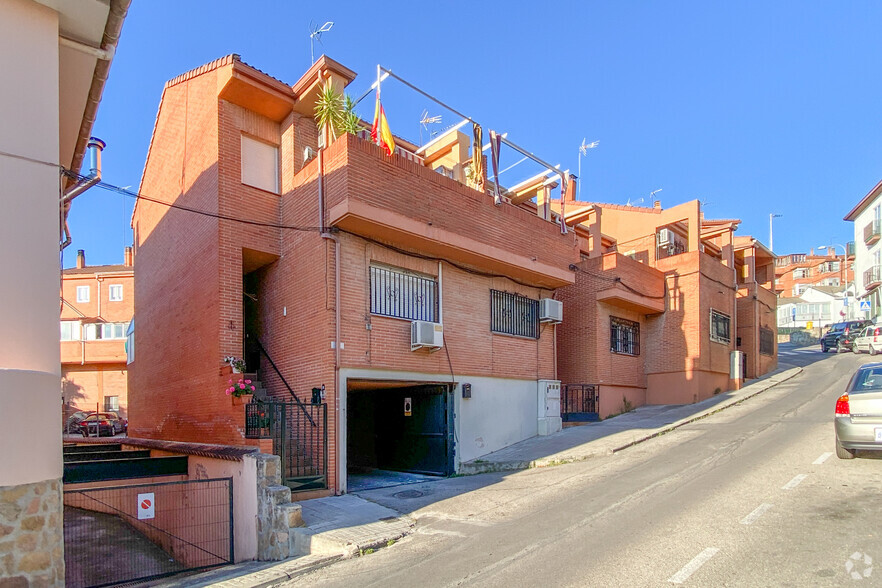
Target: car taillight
pixel 105 423
pixel 842 408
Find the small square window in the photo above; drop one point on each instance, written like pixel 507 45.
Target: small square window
pixel 82 293
pixel 260 164
pixel 116 293
pixel 111 403
pixel 719 327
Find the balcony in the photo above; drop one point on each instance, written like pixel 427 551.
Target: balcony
pixel 849 249
pixel 641 291
pixel 872 277
pixel 871 232
pixel 398 201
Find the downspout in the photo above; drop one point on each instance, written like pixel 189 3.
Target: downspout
pixel 95 147
pixel 327 235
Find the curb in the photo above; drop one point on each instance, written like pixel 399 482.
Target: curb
pixel 516 465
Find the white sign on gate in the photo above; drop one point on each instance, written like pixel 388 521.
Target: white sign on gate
pixel 146 506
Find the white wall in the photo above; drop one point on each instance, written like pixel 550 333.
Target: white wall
pixel 863 258
pixel 500 412
pixel 30 362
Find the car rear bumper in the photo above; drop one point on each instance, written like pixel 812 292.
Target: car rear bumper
pixel 857 435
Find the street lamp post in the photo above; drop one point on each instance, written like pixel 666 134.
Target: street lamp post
pixel 771 216
pixel 849 312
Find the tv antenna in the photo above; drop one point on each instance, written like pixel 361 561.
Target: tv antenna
pixel 315 34
pixel 583 150
pixel 635 203
pixel 425 121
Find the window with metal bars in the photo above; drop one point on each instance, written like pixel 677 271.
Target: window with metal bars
pixel 624 336
pixel 719 327
pixel 403 294
pixel 513 314
pixel 767 342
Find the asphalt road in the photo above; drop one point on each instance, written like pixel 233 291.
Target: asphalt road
pixel 751 496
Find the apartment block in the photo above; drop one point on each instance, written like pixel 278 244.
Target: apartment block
pixel 867 218
pixel 796 272
pixel 97 303
pixel 662 299
pixel 394 308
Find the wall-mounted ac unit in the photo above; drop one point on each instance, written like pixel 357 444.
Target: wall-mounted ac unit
pixel 426 334
pixel 665 237
pixel 550 310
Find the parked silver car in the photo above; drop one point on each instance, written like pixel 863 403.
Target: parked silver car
pixel 858 417
pixel 868 341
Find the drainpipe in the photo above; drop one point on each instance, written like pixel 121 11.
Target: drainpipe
pixel 95 147
pixel 326 235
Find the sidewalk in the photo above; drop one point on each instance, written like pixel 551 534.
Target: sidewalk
pixel 580 443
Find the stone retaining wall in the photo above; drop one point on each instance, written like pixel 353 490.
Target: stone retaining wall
pixel 31 535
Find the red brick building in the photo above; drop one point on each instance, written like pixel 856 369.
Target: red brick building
pixel 662 299
pixel 97 303
pixel 795 272
pixel 348 254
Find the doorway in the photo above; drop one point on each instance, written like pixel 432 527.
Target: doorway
pixel 396 428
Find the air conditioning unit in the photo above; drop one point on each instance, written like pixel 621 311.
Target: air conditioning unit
pixel 665 237
pixel 426 334
pixel 550 311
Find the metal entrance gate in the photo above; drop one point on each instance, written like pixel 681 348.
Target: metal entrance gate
pixel 579 402
pixel 300 438
pixel 121 534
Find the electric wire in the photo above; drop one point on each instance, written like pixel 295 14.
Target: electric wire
pixel 140 196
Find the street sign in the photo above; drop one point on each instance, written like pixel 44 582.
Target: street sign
pixel 146 506
pixel 865 306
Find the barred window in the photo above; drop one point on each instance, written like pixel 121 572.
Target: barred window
pixel 719 327
pixel 513 314
pixel 767 341
pixel 624 336
pixel 403 294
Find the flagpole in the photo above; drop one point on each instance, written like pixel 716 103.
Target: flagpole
pixel 378 100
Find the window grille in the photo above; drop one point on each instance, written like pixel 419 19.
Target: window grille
pixel 767 344
pixel 624 336
pixel 719 327
pixel 403 294
pixel 513 314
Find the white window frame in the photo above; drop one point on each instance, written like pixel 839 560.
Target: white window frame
pixel 74 330
pixel 111 406
pixel 717 338
pixel 83 293
pixel 115 288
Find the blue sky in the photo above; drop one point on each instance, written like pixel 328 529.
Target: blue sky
pixel 751 107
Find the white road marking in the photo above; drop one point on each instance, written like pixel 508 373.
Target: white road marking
pixel 692 567
pixel 757 513
pixel 794 482
pixel 440 532
pixel 823 458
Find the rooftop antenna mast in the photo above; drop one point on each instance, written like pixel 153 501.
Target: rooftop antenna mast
pixel 315 34
pixel 583 150
pixel 425 121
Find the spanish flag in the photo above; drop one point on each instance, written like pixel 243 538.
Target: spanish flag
pixel 380 133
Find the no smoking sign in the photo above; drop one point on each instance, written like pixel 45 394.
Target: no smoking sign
pixel 146 506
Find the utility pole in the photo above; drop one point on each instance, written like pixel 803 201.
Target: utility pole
pixel 772 216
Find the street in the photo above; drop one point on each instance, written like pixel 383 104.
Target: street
pixel 750 496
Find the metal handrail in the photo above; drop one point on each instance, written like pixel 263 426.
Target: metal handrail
pixel 281 377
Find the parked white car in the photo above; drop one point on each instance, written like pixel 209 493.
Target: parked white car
pixel 868 341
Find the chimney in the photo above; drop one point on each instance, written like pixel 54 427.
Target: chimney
pixel 812 251
pixel 128 257
pixel 81 258
pixel 657 204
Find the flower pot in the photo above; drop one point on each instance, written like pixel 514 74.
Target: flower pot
pixel 243 399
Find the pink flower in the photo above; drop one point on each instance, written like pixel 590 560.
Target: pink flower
pixel 253 389
pixel 247 381
pixel 228 391
pixel 241 386
pixel 229 381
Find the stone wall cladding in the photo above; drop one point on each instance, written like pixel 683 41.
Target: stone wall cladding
pixel 275 512
pixel 31 535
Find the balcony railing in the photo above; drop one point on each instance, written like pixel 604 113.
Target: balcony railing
pixel 871 232
pixel 872 277
pixel 849 249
